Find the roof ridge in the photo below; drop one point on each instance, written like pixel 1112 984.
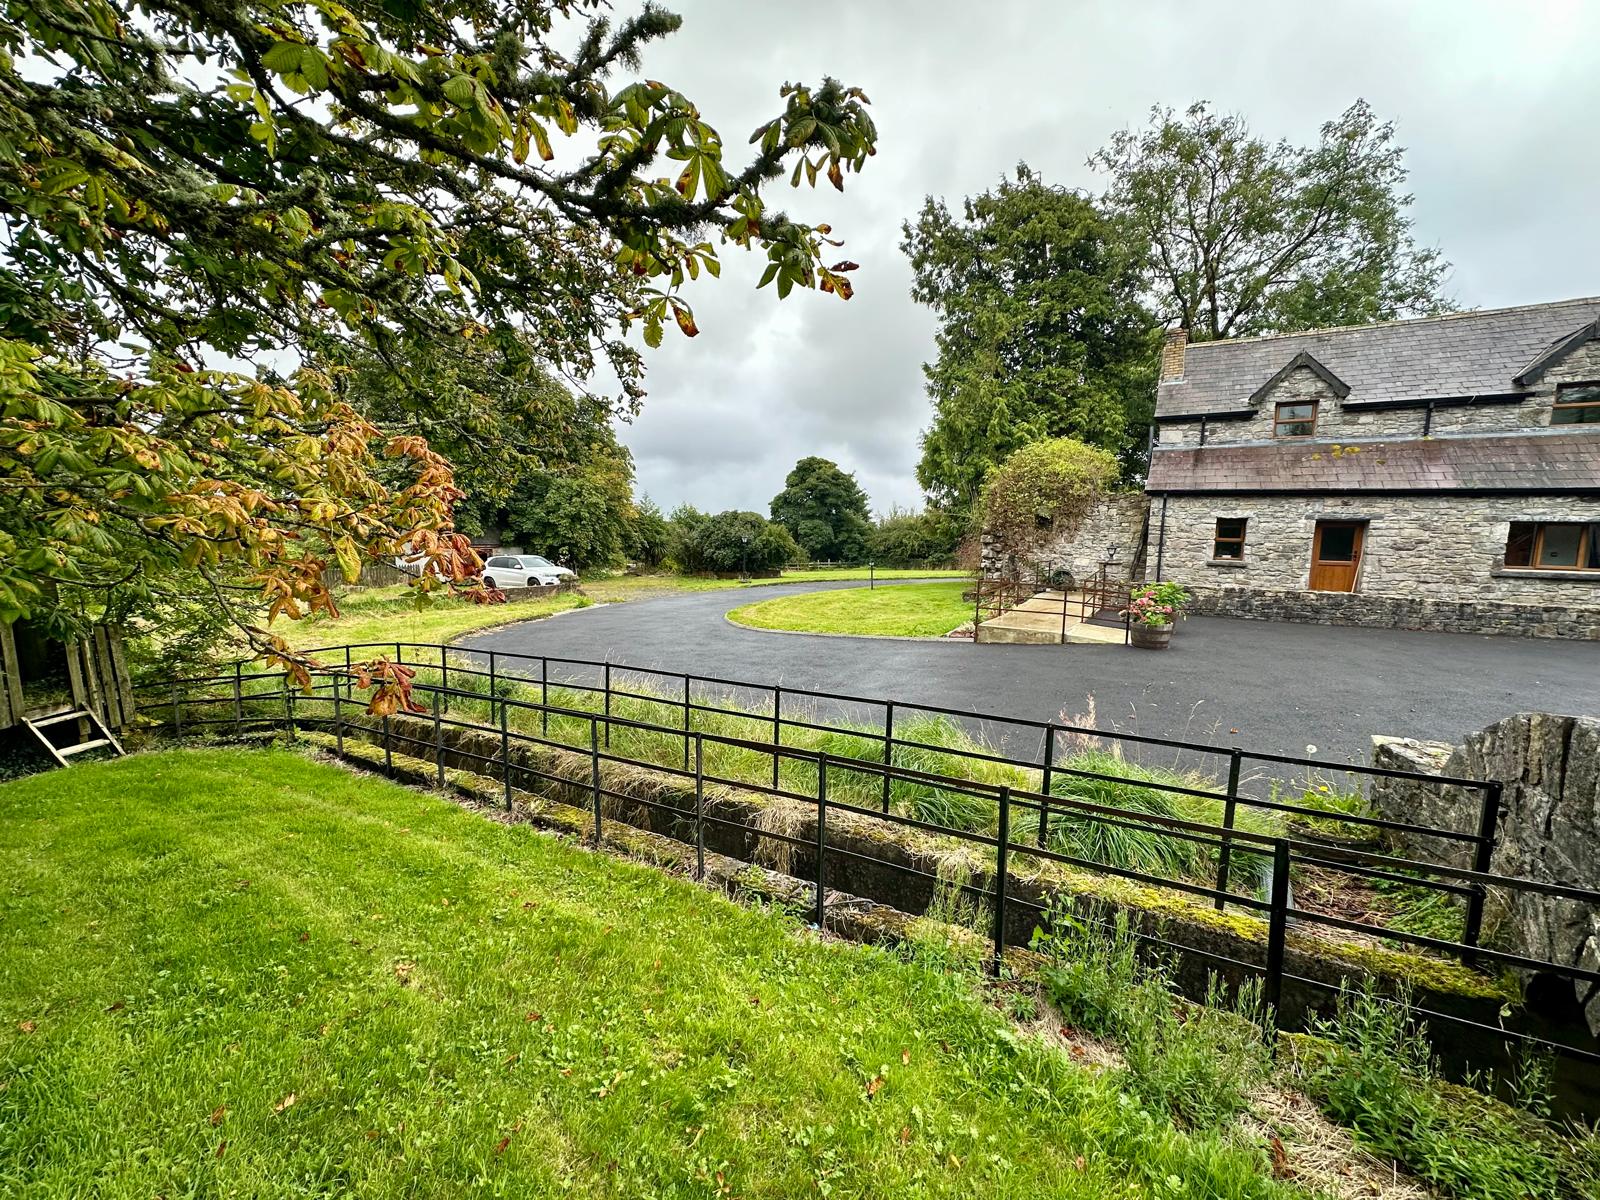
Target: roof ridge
pixel 1453 316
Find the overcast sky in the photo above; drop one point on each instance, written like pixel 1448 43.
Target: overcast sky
pixel 1495 102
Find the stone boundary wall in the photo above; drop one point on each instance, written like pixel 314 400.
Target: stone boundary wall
pixel 1399 612
pixel 1116 521
pixel 1549 828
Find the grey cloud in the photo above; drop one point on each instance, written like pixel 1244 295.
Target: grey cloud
pixel 1494 101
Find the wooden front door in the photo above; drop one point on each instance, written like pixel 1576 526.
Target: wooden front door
pixel 1335 555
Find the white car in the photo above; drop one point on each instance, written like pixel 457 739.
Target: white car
pixel 522 570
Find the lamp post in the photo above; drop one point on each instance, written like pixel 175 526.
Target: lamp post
pixel 744 558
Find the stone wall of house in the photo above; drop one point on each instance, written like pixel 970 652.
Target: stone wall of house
pixel 1549 827
pixel 1335 422
pixel 1112 527
pixel 1427 562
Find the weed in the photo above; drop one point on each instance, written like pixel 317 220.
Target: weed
pixel 1197 1062
pixel 1379 1081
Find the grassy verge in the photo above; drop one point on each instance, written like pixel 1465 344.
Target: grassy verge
pixel 905 610
pixel 399 611
pixel 1369 1072
pixel 245 973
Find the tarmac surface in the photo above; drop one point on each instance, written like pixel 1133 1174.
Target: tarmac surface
pixel 1271 687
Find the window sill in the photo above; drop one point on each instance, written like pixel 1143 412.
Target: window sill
pixel 1227 564
pixel 1554 576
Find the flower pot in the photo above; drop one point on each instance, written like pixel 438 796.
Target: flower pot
pixel 1152 637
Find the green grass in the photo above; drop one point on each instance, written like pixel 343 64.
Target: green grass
pixel 946 748
pixel 246 973
pixel 904 610
pixel 402 613
pixel 399 611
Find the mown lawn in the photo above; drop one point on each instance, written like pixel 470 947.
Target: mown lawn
pixel 233 972
pixel 401 613
pixel 902 610
pixel 387 613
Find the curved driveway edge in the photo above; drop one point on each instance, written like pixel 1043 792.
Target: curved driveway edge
pixel 1267 686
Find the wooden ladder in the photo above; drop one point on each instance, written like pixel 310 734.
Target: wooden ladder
pixel 101 737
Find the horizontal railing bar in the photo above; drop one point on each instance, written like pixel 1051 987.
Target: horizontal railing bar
pixel 1499 1031
pixel 1197 889
pixel 992 718
pixel 1356 819
pixel 1559 890
pixel 1392 876
pixel 1565 971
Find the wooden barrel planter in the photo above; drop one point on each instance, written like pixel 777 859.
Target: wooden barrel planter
pixel 1152 637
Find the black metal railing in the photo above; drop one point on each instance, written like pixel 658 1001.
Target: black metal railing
pixel 886 725
pixel 330 701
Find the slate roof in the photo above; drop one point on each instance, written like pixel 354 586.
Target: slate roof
pixel 1465 354
pixel 1508 462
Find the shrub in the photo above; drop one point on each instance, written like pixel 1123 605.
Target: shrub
pixel 731 541
pixel 1044 489
pixel 907 539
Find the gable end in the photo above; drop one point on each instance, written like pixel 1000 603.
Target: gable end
pixel 1554 353
pixel 1341 389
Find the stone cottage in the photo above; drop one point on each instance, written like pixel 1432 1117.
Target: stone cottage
pixel 1440 473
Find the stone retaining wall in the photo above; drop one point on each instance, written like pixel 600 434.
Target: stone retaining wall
pixel 1549 828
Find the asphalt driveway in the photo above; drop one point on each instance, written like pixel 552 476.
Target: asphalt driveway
pixel 1270 687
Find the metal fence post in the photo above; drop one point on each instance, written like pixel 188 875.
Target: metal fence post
pixel 888 750
pixel 594 772
pixel 1047 775
pixel 444 679
pixel 438 738
pixel 699 811
pixel 338 718
pixel 388 750
pixel 1277 928
pixel 1482 859
pixel 608 704
pixel 686 723
pixel 1001 869
pixel 177 713
pixel 822 838
pixel 494 682
pixel 544 696
pixel 238 700
pixel 777 731
pixel 505 753
pixel 1225 852
pixel 288 703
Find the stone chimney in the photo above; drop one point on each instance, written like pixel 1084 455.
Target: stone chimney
pixel 1172 355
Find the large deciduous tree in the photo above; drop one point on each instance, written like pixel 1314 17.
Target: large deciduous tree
pixel 1041 333
pixel 825 510
pixel 203 203
pixel 1250 237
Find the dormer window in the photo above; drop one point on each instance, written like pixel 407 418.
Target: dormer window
pixel 1295 419
pixel 1576 404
